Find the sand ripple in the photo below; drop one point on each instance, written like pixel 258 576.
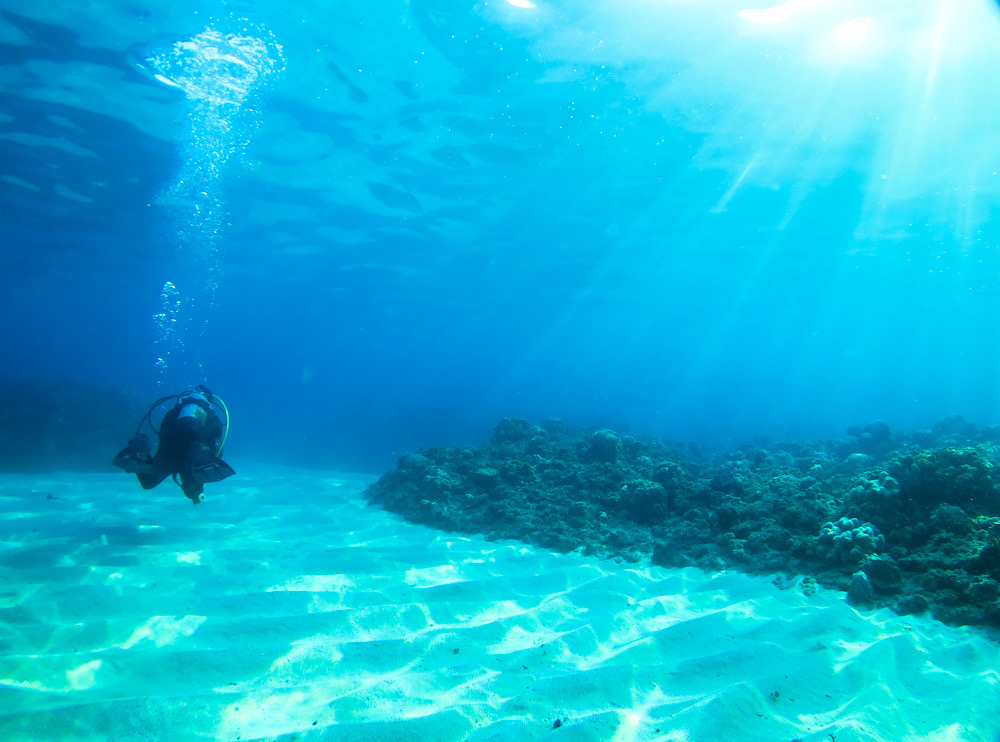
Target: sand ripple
pixel 289 609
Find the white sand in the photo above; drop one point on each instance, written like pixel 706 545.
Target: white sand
pixel 283 607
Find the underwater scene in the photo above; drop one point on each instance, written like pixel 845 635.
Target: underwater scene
pixel 472 371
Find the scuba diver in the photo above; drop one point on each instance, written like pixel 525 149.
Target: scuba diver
pixel 191 437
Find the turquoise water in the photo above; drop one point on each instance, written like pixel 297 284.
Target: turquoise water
pixel 374 226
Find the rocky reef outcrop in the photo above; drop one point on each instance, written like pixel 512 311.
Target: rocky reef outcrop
pixel 908 521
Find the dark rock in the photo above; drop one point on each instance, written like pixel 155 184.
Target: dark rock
pixel 412 461
pixel 860 590
pixel 956 426
pixel 955 476
pixel 912 604
pixel 515 430
pixel 536 445
pixel 877 432
pixel 486 477
pixel 988 558
pixel 855 463
pixel 884 573
pixel 603 446
pixel 647 502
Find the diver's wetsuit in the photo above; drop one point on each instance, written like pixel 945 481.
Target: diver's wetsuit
pixel 185 446
pixel 191 435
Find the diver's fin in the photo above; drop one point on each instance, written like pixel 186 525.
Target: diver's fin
pixel 135 458
pixel 133 463
pixel 211 471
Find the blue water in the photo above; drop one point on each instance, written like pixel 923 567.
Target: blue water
pixel 414 218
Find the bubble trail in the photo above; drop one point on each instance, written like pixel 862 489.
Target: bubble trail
pixel 219 74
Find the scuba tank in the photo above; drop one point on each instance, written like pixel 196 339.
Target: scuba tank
pixel 194 407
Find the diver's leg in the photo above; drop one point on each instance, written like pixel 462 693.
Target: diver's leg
pixel 192 489
pixel 161 467
pixel 148 481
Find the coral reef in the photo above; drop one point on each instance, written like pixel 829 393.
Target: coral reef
pixel 848 541
pixel 907 521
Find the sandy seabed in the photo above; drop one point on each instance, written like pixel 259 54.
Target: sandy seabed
pixel 283 607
